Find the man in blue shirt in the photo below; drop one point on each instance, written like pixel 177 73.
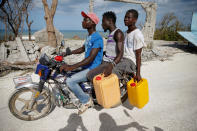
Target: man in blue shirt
pixel 93 48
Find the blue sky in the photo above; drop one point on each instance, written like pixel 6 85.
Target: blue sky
pixel 68 12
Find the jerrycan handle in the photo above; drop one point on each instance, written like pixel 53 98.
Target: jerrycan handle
pixel 134 84
pixel 102 75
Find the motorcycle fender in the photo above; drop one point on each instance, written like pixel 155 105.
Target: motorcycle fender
pixel 32 84
pixel 27 85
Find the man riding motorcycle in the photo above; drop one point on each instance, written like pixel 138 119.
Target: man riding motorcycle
pixel 114 48
pixel 93 48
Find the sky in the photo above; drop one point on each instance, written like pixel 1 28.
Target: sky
pixel 68 12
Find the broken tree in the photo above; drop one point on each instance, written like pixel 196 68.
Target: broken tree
pixel 12 10
pixel 49 15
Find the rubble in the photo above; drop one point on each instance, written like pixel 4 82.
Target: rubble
pixel 29 51
pixel 13 51
pixel 3 52
pixel 42 36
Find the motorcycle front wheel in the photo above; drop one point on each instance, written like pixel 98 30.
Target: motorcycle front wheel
pixel 20 101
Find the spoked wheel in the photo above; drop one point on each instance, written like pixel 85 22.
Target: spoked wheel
pixel 19 104
pixel 123 88
pixel 124 95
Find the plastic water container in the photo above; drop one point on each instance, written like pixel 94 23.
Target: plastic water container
pixel 138 93
pixel 107 90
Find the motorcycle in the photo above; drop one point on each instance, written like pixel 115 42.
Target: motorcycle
pixel 32 101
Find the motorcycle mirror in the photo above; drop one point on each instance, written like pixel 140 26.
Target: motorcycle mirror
pixel 68 51
pixel 62 43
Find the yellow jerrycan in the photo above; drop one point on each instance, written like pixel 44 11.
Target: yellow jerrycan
pixel 138 93
pixel 107 90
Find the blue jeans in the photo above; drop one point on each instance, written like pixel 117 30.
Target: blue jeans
pixel 73 84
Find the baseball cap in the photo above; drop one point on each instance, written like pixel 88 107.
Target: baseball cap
pixel 92 16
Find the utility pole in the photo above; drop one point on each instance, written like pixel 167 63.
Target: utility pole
pixel 91 5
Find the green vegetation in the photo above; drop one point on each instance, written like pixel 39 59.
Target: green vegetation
pixel 168 27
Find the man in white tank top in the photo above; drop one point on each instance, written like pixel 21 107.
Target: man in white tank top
pixel 114 47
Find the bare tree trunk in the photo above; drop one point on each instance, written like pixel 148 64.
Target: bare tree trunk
pixel 49 14
pixel 29 30
pixel 9 21
pixel 18 25
pixel 22 26
pixel 2 3
pixel 5 22
pixel 28 25
pixel 91 5
pixel 13 12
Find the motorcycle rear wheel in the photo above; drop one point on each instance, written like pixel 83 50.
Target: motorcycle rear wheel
pixel 41 108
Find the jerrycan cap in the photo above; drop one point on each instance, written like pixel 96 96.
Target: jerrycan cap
pixel 132 84
pixel 98 78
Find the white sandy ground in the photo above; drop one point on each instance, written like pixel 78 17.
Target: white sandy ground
pixel 172 105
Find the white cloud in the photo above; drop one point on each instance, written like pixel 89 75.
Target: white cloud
pixel 100 3
pixel 64 2
pixel 37 4
pixel 162 1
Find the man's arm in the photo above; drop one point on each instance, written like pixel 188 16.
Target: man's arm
pixel 119 38
pixel 89 59
pixel 79 50
pixel 84 62
pixel 138 45
pixel 138 64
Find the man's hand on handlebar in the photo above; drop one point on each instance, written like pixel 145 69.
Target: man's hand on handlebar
pixel 68 52
pixel 66 67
